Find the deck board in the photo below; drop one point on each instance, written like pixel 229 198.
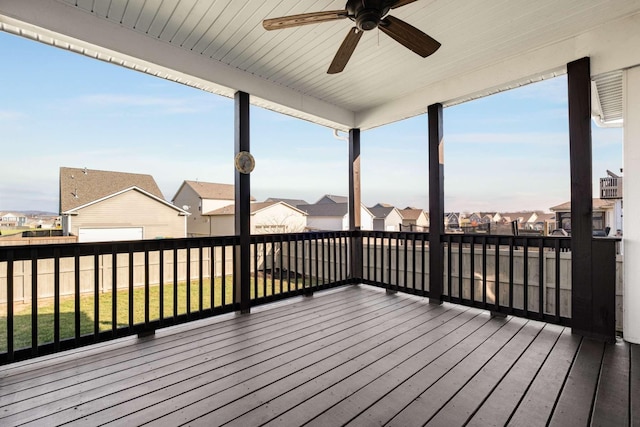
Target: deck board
pixel 192 370
pixel 425 406
pixel 574 406
pixel 499 404
pixel 349 356
pixel 229 385
pixel 537 404
pixel 377 390
pixel 634 385
pixel 382 410
pixel 611 408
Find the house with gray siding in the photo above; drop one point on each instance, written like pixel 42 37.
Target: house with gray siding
pixel 386 218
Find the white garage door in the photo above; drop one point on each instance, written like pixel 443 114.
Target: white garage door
pixel 109 234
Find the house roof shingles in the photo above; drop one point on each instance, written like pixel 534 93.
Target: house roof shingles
pixel 381 211
pixel 325 209
pixel 80 186
pixel 255 207
pixel 330 198
pixel 291 202
pixel 411 213
pixel 211 190
pixel 597 204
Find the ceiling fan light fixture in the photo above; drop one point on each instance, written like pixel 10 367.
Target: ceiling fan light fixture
pixel 368 19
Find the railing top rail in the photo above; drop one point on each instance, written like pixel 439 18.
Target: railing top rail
pixel 26 252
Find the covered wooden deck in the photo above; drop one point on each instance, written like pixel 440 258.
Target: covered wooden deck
pixel 352 355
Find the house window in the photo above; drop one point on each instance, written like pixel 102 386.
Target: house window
pixel 598 220
pixel 565 221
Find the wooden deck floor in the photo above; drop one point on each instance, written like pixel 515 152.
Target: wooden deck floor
pixel 353 355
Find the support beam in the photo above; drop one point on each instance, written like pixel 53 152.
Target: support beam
pixel 355 201
pixel 591 315
pixel 436 204
pixel 242 205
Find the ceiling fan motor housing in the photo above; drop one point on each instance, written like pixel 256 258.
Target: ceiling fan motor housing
pixel 368 13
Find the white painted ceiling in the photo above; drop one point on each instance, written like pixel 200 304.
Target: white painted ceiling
pixel 221 46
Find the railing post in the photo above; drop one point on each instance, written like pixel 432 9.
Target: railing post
pixel 436 204
pixel 355 221
pixel 603 273
pixel 242 205
pixel 586 278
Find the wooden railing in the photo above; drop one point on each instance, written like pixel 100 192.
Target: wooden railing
pixel 62 296
pixel 526 276
pixel 611 188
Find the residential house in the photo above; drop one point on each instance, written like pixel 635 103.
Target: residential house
pixel 330 215
pixel 265 218
pixel 386 218
pixel 475 219
pixel 520 218
pixel 452 220
pixel 543 221
pixel 415 219
pixel 603 216
pixel 98 205
pixel 10 219
pixel 489 217
pixel 197 197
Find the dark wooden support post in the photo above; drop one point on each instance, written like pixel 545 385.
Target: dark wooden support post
pixel 242 206
pixel 590 315
pixel 355 221
pixel 436 204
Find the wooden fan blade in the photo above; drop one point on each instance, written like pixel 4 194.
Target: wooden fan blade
pixel 401 3
pixel 345 51
pixel 409 36
pixel 303 19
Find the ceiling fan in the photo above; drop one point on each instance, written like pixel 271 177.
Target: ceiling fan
pixel 367 15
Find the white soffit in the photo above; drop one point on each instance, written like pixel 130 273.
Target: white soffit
pixel 220 46
pixel 606 99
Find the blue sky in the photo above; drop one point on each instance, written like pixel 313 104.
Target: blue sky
pixel 507 152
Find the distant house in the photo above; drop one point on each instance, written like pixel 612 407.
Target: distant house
pixel 10 219
pixel 520 218
pixel 602 214
pixel 330 215
pixel 100 205
pixel 197 197
pixel 386 218
pixel 415 219
pixel 266 218
pixel 452 220
pixel 542 221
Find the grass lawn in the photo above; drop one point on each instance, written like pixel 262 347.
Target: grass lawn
pixel 22 313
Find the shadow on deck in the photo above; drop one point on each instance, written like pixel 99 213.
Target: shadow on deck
pixel 352 355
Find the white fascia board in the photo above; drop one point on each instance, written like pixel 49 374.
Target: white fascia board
pixel 611 47
pixel 64 26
